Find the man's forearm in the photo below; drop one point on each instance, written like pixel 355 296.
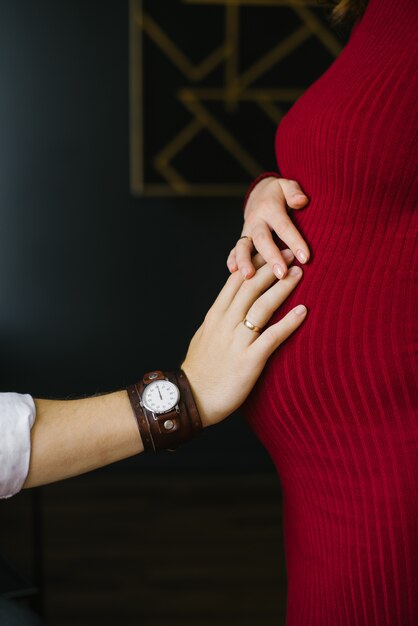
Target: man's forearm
pixel 72 437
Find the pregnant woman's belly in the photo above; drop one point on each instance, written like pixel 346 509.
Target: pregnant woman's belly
pixel 336 409
pixel 337 404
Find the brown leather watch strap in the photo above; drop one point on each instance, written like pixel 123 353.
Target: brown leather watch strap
pixel 187 396
pixel 166 431
pixel 143 426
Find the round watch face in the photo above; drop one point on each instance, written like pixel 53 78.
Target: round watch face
pixel 160 396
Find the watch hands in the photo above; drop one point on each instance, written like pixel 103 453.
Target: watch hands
pixel 159 392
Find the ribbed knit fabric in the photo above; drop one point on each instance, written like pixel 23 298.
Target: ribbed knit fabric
pixel 336 407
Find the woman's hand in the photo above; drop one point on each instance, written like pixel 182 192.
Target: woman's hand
pixel 266 211
pixel 225 358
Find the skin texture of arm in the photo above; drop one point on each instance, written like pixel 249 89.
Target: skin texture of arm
pixel 71 437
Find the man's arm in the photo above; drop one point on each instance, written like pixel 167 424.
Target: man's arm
pixel 71 437
pixel 222 364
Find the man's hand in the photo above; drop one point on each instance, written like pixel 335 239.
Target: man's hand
pixel 267 211
pixel 225 358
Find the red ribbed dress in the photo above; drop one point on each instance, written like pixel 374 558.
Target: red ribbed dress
pixel 336 407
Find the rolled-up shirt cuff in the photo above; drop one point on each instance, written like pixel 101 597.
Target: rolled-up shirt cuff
pixel 17 416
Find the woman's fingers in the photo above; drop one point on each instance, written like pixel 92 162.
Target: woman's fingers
pixel 274 335
pixel 287 231
pixel 267 211
pixel 240 257
pixel 262 241
pixel 295 198
pixel 243 252
pixel 264 244
pixel 231 261
pixel 257 260
pixel 264 307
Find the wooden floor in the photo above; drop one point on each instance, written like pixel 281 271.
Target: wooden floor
pixel 157 550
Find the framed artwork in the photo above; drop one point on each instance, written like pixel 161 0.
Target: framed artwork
pixel 209 82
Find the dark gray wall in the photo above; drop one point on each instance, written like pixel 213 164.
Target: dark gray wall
pixel 82 263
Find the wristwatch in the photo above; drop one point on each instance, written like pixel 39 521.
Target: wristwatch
pixel 165 410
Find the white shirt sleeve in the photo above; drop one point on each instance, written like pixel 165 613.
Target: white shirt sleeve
pixel 17 416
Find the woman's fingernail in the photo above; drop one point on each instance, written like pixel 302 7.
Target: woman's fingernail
pixel 278 270
pixel 301 256
pixel 295 270
pixel 300 310
pixel 287 255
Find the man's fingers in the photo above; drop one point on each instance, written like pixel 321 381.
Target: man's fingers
pixel 258 261
pixel 263 308
pixel 293 193
pixel 273 337
pixel 231 287
pixel 249 291
pixel 226 295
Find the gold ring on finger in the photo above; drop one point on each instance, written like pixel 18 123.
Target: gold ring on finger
pixel 251 326
pixel 246 237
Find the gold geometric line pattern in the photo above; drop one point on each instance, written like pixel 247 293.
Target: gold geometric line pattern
pixel 237 88
pixel 162 160
pixel 192 72
pixel 231 65
pixel 225 138
pixel 316 26
pixel 271 58
pixel 274 112
pixel 250 95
